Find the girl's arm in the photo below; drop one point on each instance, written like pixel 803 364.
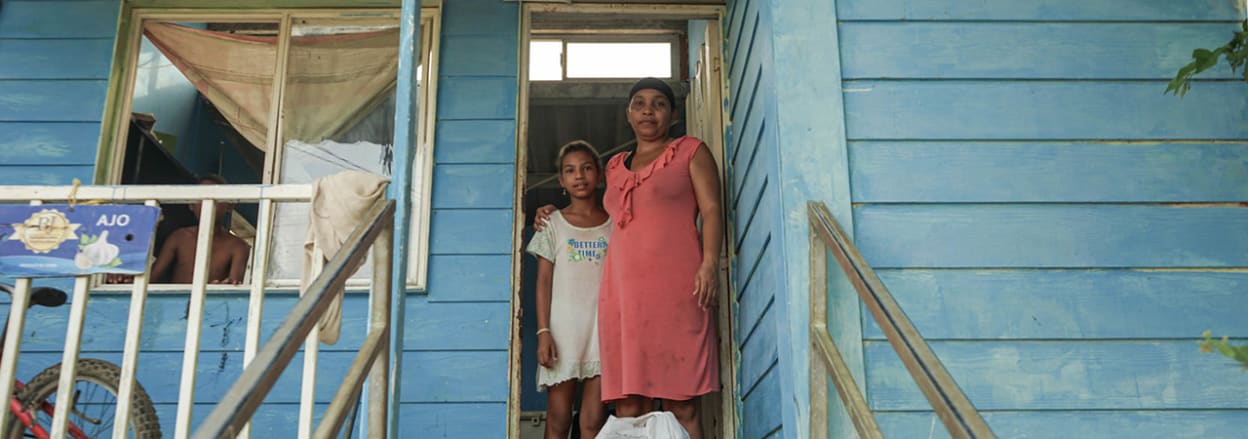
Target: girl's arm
pixel 705 177
pixel 546 352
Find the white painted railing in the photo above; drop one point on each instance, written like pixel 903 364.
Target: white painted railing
pixel 208 195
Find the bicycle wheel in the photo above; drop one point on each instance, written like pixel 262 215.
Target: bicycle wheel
pixel 95 401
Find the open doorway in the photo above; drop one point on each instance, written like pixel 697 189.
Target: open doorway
pixel 578 62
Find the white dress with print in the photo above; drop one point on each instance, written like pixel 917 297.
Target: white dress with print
pixel 577 253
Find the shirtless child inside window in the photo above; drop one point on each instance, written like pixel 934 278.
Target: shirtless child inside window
pixel 229 253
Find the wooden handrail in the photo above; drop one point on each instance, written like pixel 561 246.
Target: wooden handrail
pixel 238 405
pixel 164 193
pixel 956 412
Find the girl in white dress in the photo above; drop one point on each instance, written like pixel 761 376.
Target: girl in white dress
pixel 570 251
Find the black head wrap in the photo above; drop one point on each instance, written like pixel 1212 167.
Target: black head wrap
pixel 653 84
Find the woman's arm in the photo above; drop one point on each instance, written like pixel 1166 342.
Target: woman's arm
pixel 705 177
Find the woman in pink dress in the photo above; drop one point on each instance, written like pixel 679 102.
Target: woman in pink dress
pixel 656 323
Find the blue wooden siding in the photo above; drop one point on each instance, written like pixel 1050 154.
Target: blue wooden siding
pixel 455 350
pixel 786 147
pixel 457 337
pixel 1059 229
pixel 752 204
pixel 442 371
pixel 53 76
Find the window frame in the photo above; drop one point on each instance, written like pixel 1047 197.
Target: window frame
pixel 673 39
pixel 118 105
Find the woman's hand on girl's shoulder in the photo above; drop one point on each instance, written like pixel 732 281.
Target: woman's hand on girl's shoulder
pixel 542 217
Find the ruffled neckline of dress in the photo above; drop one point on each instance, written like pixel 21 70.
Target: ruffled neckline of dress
pixel 632 179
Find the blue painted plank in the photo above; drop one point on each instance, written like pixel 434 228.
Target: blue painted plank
pixel 1041 10
pixel 762 230
pixel 49 143
pixel 164 327
pixel 1026 50
pixel 52 101
pixel 481 17
pixel 45 175
pixel 761 408
pixel 1085 375
pixel 471 232
pixel 755 296
pixel 473 186
pixel 1042 110
pixel 750 187
pixel 748 61
pixel 55 59
pixel 160 373
pixel 475 141
pixel 471 376
pixel 751 139
pixel 477 55
pixel 1135 424
pixel 745 215
pixel 270 419
pixel 741 187
pixel 753 58
pixel 454 278
pixel 456 421
pixel 274 420
pixel 892 172
pixel 758 352
pixel 466 98
pixel 59 19
pixel 456 326
pixel 750 271
pixel 1067 304
pixel 735 32
pixel 730 15
pixel 732 18
pixel 957 236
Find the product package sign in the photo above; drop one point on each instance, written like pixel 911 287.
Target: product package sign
pixel 54 240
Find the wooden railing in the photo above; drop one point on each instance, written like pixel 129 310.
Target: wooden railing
pixel 234 410
pixel 957 413
pixel 262 366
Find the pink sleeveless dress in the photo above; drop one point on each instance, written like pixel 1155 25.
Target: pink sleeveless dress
pixel 654 339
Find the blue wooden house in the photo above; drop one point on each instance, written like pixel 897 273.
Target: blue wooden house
pixel 1058 229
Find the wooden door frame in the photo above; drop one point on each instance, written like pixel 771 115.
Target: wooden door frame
pixel 728 355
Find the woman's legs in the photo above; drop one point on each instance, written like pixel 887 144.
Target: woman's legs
pixel 559 398
pixel 633 406
pixel 688 413
pixel 593 411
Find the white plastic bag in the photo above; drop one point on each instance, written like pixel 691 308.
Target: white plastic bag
pixel 653 425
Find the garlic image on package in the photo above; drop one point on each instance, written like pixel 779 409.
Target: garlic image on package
pixel 97 253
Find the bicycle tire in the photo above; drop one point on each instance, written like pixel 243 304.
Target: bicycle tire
pixel 143 421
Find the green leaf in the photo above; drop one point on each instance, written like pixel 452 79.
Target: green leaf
pixel 1241 354
pixel 1205 59
pixel 1224 349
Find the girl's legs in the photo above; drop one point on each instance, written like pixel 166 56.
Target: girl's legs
pixel 633 406
pixel 559 398
pixel 593 411
pixel 688 413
